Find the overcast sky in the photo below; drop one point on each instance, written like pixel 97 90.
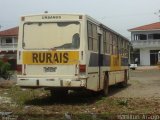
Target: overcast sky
pixel 119 15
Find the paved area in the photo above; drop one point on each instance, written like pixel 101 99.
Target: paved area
pixel 147 67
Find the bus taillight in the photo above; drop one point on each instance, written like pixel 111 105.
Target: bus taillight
pixel 82 68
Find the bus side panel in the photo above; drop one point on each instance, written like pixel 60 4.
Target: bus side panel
pixel 92 71
pixel 92 82
pixel 120 76
pixel 112 78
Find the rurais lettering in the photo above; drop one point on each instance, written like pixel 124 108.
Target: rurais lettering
pixel 65 57
pixel 50 58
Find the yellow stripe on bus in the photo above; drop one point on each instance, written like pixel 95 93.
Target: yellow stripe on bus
pixel 115 62
pixel 50 57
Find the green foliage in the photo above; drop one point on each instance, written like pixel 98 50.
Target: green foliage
pixel 5 68
pixel 123 102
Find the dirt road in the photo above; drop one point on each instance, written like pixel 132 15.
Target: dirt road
pixel 142 83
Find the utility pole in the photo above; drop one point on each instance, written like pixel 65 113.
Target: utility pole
pixel 158 14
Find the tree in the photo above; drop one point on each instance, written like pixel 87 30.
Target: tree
pixel 5 68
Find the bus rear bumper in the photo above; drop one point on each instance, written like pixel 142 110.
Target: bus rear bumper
pixel 50 82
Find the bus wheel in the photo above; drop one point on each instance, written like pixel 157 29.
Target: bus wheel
pixel 58 92
pixel 105 85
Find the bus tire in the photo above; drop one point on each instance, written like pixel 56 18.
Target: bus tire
pixel 105 85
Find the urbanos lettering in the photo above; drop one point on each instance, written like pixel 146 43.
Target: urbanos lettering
pixel 34 57
pixel 51 17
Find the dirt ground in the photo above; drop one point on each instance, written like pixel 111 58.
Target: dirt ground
pixel 143 83
pixel 141 96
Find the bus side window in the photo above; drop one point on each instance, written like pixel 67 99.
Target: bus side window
pixel 108 41
pixel 111 44
pixel 104 42
pixel 90 41
pixel 92 36
pixel 119 46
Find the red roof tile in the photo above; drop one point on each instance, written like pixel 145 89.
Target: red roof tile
pixel 10 32
pixel 153 26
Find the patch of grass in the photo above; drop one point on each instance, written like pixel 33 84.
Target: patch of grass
pixel 20 96
pixel 101 100
pixel 37 104
pixel 123 102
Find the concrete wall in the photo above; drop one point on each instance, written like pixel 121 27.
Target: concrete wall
pixel 144 56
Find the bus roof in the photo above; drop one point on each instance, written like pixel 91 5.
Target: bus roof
pixel 88 17
pixel 55 14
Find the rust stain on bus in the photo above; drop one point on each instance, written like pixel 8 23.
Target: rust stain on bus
pixel 115 62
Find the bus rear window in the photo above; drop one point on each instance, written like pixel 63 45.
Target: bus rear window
pixel 60 35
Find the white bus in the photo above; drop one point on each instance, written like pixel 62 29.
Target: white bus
pixel 62 52
pixel 159 57
pixel 158 63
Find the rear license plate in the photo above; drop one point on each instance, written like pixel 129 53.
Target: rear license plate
pixel 49 69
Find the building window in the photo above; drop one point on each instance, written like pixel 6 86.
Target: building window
pixel 154 57
pixel 8 40
pixel 143 37
pixel 5 41
pixel 156 36
pixel 140 37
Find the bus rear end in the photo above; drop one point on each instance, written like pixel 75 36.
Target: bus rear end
pixel 50 51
